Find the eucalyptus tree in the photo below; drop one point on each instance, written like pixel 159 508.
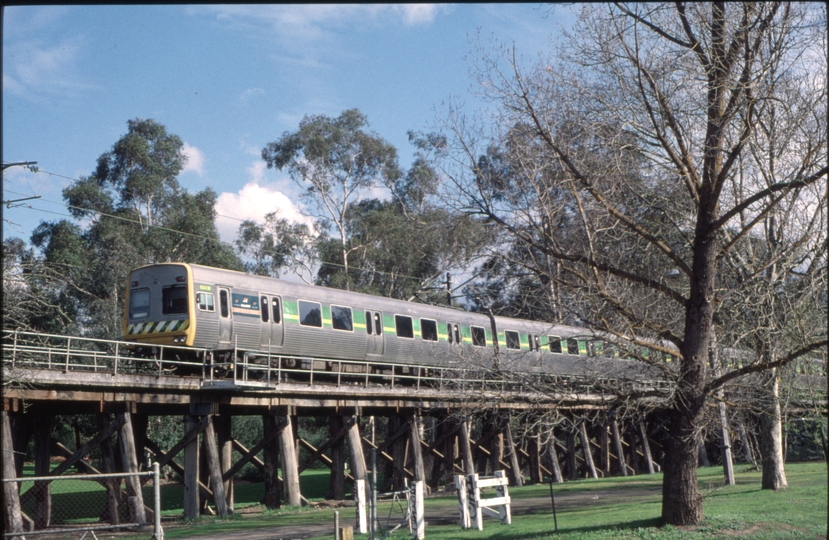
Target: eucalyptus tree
pixel 633 134
pixel 134 213
pixel 277 245
pixel 336 162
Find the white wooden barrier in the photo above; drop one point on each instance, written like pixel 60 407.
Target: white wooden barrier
pixel 417 521
pixel 360 499
pixel 472 507
pixel 463 501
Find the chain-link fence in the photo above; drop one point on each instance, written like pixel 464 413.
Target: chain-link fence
pixel 68 506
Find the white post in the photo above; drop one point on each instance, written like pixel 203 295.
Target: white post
pixel 158 532
pixel 360 499
pixel 463 501
pixel 419 529
pixel 475 511
pixel 502 490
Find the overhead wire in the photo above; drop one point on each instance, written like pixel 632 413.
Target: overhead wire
pixel 176 231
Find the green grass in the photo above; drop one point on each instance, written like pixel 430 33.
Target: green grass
pixel 626 508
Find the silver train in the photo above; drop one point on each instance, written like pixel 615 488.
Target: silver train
pixel 231 312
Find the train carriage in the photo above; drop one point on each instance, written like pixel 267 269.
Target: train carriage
pixel 232 312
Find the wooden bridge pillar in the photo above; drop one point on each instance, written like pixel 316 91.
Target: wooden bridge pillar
pixel 552 452
pixel 270 459
pixel 22 426
pixel 534 451
pixel 617 444
pixel 191 470
pixel 517 476
pixel 604 449
pixel 224 424
pixel 11 498
pixel 417 451
pixel 42 447
pixel 646 447
pixel 572 470
pixel 585 448
pixel 140 421
pixel 725 445
pixel 214 469
pixel 289 462
pixel 634 457
pixel 113 486
pixel 395 469
pixel 466 446
pixel 355 450
pixel 336 486
pixel 703 455
pixel 129 460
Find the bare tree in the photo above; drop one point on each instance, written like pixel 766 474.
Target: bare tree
pixel 625 159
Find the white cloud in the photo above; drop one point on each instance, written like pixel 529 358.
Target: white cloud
pixel 310 22
pixel 250 94
pixel 195 159
pixel 34 69
pixel 253 202
pixel 414 14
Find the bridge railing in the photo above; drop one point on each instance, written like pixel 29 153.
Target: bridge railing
pixel 32 350
pixel 29 350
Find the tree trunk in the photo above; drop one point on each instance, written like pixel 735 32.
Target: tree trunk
pixel 771 438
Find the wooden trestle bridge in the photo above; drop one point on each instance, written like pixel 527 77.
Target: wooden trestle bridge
pixel 432 433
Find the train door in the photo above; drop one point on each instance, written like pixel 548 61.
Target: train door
pixel 225 316
pixel 272 332
pixel 453 331
pixel 374 331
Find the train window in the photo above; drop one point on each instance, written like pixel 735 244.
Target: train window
pixel 174 299
pixel 378 325
pixel 449 332
pixel 598 348
pixel 368 322
pixel 457 331
pixel 263 303
pixel 555 344
pixel 205 301
pixel 139 303
pixel 428 329
pixel 573 346
pixel 223 303
pixel 341 318
pixel 404 326
pixel 513 340
pixel 277 313
pixel 310 313
pixel 478 336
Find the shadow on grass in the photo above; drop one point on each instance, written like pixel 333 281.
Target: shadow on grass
pixel 621 527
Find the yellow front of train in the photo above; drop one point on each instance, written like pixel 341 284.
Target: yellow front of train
pixel 160 307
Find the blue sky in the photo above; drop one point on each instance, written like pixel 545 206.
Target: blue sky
pixel 228 80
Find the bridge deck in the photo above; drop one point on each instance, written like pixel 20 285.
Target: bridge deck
pixel 97 372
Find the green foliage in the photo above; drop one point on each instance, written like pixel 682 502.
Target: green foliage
pixel 137 214
pixel 396 253
pixel 328 152
pixel 395 248
pixel 274 245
